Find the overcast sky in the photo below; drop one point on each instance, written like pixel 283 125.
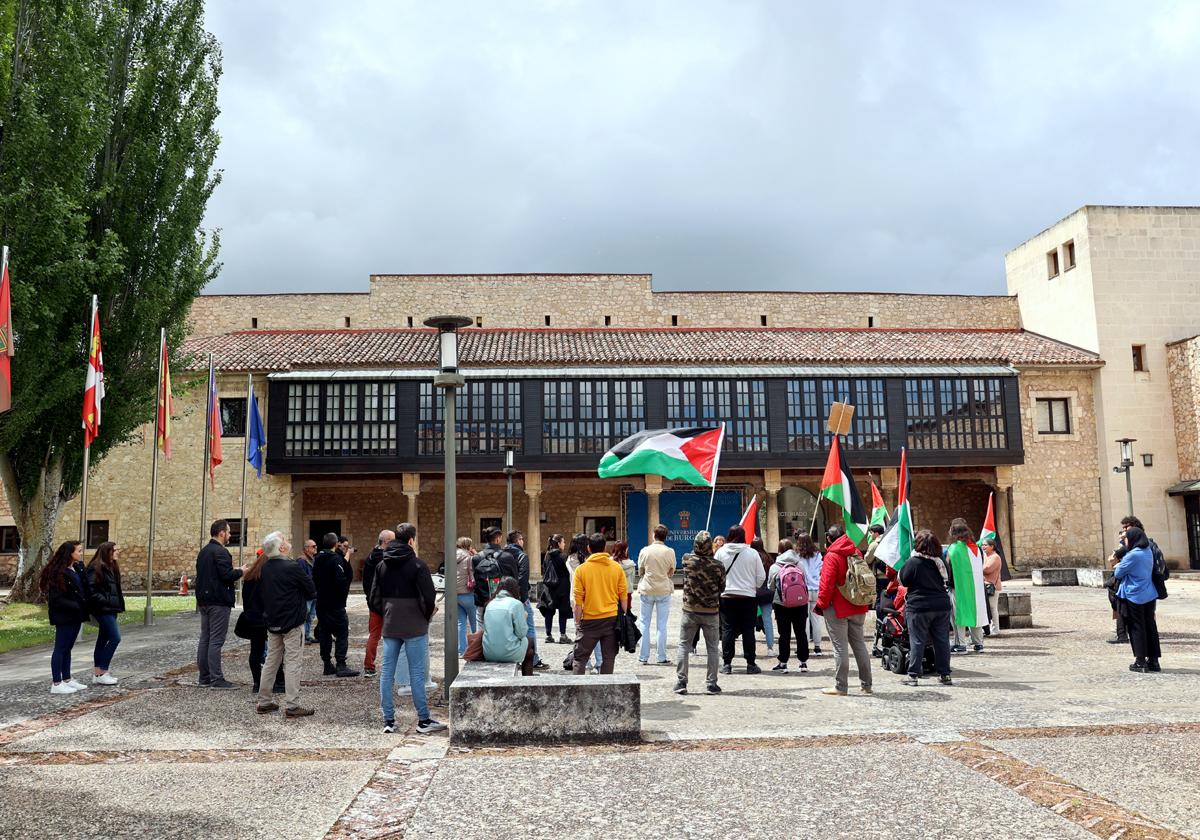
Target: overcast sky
pixel 774 145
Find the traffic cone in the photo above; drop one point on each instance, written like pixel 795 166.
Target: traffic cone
pixel 183 583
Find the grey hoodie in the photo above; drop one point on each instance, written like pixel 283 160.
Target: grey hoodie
pixel 788 558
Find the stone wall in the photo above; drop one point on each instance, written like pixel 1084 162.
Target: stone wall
pixel 1056 499
pixel 587 300
pixel 1183 369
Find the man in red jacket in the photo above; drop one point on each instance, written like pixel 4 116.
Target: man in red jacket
pixel 843 620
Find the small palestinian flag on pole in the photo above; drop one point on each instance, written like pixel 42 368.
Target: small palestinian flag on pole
pixel 690 454
pixel 895 546
pixel 989 533
pixel 838 486
pixel 878 508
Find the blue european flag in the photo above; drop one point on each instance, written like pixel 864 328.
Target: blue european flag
pixel 256 441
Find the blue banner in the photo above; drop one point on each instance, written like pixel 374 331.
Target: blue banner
pixel 683 512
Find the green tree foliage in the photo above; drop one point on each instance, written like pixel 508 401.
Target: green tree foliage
pixel 106 166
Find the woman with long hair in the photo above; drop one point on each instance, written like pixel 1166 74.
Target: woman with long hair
pixel 556 578
pixel 810 562
pixel 63 584
pixel 252 623
pixel 464 588
pixel 620 555
pixel 765 612
pixel 969 574
pixel 926 607
pixel 576 557
pixel 105 601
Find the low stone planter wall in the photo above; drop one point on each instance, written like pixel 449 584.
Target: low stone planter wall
pixel 1055 577
pixel 1097 578
pixel 1016 610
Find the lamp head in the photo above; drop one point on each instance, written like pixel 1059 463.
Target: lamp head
pixel 1127 449
pixel 448 327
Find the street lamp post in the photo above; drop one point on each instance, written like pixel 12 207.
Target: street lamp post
pixel 449 380
pixel 1126 465
pixel 509 469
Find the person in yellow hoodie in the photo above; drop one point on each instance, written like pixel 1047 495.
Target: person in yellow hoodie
pixel 599 587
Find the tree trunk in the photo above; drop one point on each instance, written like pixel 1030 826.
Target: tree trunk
pixel 36 520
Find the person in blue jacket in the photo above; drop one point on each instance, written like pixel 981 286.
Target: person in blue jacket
pixel 1137 598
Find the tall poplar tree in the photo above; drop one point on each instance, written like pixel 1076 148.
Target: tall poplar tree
pixel 106 166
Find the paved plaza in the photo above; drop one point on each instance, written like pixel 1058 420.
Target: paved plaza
pixel 1045 734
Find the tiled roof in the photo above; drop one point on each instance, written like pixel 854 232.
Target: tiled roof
pixel 279 350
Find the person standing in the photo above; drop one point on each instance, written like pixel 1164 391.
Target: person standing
pixel 810 561
pixel 464 583
pixel 991 583
pixel 105 601
pixel 215 577
pixel 556 579
pixel 786 581
pixel 63 582
pixel 703 582
pixel 405 586
pixel 744 574
pixel 765 611
pixel 490 566
pixel 285 592
pixel 332 575
pixel 960 531
pixel 620 556
pixel 252 623
pixel 843 618
pixel 516 547
pixel 578 555
pixel 600 587
pixel 656 562
pixel 306 565
pixel 375 627
pixel 926 607
pixel 1138 598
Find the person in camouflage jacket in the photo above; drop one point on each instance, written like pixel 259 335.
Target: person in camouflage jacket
pixel 703 582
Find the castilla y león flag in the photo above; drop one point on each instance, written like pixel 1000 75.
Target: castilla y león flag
pixel 690 454
pixel 166 403
pixel 6 342
pixel 93 388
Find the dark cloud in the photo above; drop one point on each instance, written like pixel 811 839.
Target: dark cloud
pixel 715 145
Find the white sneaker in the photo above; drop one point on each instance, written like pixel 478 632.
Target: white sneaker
pixel 431 686
pixel 61 688
pixel 403 691
pixel 771 651
pixel 104 679
pixel 76 684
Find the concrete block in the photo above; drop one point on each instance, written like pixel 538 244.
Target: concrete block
pixel 1015 603
pixel 1055 577
pixel 492 704
pixel 1097 578
pixel 1016 622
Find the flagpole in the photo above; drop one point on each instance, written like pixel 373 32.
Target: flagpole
pixel 87 453
pixel 161 406
pixel 207 449
pixel 716 464
pixel 246 439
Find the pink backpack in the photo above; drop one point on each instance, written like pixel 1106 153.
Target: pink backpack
pixel 793 589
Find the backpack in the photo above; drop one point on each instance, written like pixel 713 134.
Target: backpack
pixel 375 596
pixel 487 572
pixel 793 589
pixel 859 586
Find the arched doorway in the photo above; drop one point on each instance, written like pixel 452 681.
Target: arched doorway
pixel 797 506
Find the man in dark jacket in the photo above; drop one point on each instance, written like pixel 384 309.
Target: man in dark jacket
pixel 332 575
pixel 215 576
pixel 368 575
pixel 406 586
pixel 516 547
pixel 286 591
pixel 491 565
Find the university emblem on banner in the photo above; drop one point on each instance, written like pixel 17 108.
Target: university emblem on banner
pixel 685 518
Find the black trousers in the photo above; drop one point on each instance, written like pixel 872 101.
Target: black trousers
pixel 562 621
pixel 333 625
pixel 925 628
pixel 788 619
pixel 738 616
pixel 258 650
pixel 1142 625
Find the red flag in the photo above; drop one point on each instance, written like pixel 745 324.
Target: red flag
pixel 750 520
pixel 166 402
pixel 6 343
pixel 902 492
pixel 93 387
pixel 215 429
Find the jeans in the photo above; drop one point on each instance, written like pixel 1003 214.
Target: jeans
pixel 651 604
pixel 816 624
pixel 692 622
pixel 791 619
pixel 374 634
pixel 284 651
pixel 107 641
pixel 532 634
pixel 738 615
pixel 848 633
pixel 214 626
pixel 309 617
pixel 768 624
pixel 417 650
pixel 466 615
pixel 60 661
pixel 928 628
pixel 334 625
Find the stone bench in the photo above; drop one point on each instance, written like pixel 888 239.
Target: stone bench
pixel 1055 577
pixel 1094 577
pixel 491 703
pixel 1016 610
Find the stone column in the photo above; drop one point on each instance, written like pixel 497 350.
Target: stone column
pixel 533 528
pixel 889 478
pixel 653 490
pixel 773 483
pixel 410 485
pixel 1003 518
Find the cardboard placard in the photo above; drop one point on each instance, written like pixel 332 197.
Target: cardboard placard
pixel 840 416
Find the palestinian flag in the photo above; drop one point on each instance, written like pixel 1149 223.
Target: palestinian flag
pixel 690 454
pixel 989 533
pixel 838 487
pixel 966 566
pixel 878 508
pixel 749 521
pixel 895 547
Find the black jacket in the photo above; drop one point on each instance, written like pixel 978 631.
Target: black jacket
pixel 104 592
pixel 69 605
pixel 215 576
pixel 501 562
pixel 368 570
pixel 522 568
pixel 332 575
pixel 252 604
pixel 285 592
pixel 408 593
pixel 926 586
pixel 561 590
